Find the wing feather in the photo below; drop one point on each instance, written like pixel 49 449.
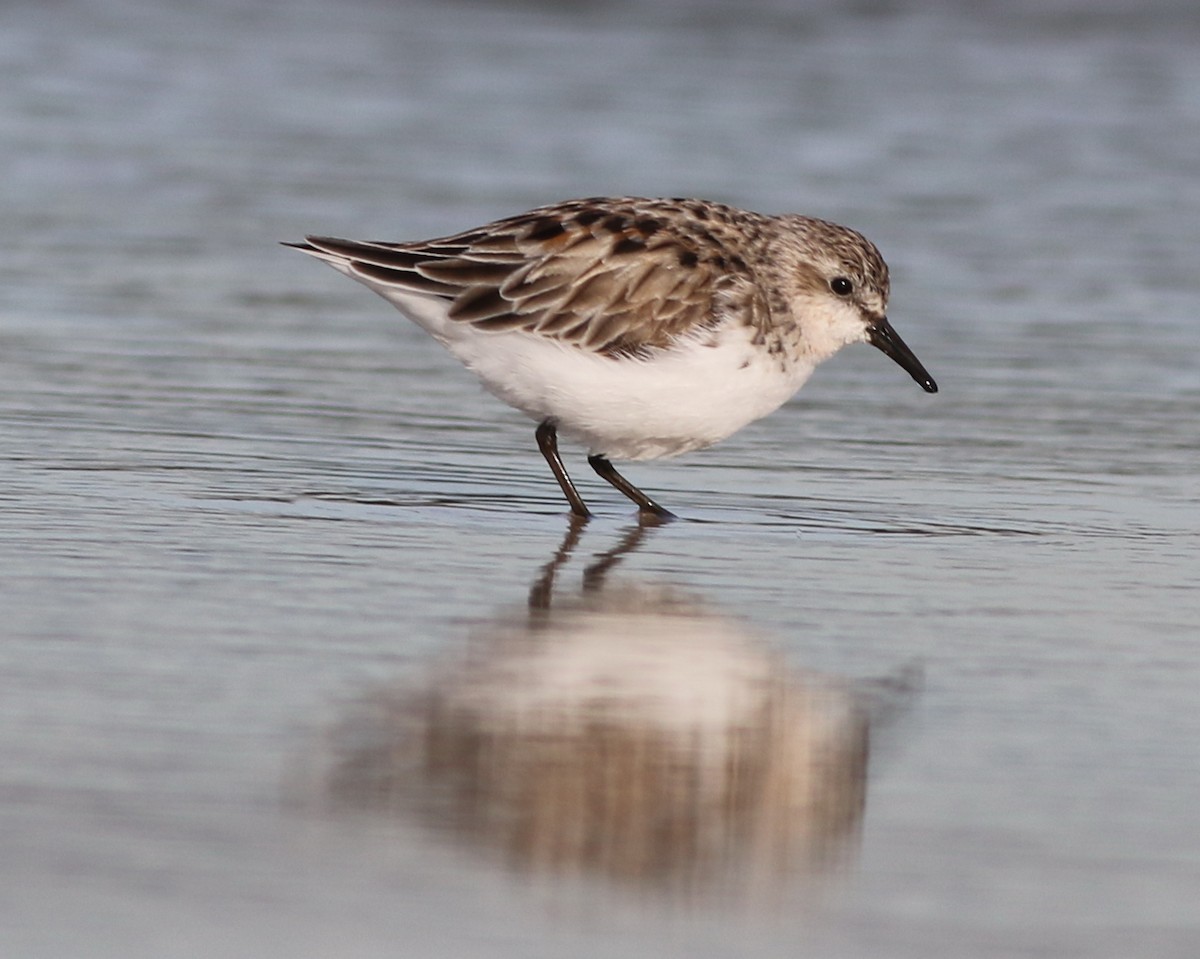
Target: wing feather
pixel 615 277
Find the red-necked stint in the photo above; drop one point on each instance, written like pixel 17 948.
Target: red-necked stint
pixel 641 328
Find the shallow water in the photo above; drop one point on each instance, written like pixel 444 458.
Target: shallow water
pixel 254 524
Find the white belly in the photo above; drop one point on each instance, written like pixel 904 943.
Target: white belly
pixel 632 409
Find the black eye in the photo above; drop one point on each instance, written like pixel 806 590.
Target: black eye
pixel 841 286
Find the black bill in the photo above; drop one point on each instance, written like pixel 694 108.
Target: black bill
pixel 881 336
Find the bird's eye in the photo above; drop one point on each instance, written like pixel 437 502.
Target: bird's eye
pixel 841 286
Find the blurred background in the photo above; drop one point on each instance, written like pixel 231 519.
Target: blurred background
pixel 299 655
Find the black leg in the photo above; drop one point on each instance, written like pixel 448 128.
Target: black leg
pixel 644 503
pixel 547 437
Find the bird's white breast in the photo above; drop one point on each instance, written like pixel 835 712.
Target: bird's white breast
pixel 630 408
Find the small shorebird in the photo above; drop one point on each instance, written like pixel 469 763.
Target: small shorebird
pixel 640 328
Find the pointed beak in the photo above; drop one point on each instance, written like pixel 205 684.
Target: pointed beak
pixel 881 336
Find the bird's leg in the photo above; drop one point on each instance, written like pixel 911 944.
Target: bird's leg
pixel 547 438
pixel 644 503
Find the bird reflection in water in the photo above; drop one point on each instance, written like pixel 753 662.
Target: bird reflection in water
pixel 630 734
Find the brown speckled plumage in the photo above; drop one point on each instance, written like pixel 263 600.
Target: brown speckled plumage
pixel 618 276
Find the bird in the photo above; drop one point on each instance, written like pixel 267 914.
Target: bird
pixel 638 327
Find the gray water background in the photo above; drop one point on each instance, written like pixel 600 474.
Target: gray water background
pixel 239 493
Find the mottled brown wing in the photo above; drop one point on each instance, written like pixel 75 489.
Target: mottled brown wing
pixel 615 279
